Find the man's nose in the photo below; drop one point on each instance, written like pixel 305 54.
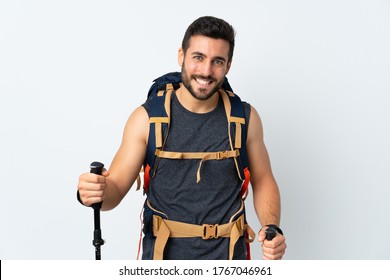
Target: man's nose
pixel 206 69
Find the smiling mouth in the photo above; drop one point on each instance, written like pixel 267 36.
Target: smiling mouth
pixel 202 81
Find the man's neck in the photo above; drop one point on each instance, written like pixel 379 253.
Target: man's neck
pixel 195 105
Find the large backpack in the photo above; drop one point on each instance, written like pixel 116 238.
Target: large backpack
pixel 159 101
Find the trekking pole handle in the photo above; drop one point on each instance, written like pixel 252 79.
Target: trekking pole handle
pixel 270 233
pixel 97 168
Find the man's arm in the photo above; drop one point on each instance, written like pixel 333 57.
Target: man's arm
pixel 112 186
pixel 266 197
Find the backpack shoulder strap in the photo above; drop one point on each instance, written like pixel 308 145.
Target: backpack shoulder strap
pixel 159 120
pixel 159 97
pixel 237 128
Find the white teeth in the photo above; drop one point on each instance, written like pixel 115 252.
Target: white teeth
pixel 203 82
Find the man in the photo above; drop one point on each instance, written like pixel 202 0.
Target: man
pixel 186 193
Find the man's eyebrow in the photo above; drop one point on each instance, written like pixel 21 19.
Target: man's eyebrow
pixel 197 53
pixel 220 58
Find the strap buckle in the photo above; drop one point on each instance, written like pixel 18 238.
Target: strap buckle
pixel 222 155
pixel 157 220
pixel 210 231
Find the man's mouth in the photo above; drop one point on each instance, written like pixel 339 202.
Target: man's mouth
pixel 203 81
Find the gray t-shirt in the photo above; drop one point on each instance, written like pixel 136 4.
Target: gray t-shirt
pixel 175 192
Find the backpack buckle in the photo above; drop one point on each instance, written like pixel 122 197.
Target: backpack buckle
pixel 210 231
pixel 222 155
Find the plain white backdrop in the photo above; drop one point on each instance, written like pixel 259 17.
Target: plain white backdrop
pixel 318 72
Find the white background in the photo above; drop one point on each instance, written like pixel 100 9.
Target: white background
pixel 318 72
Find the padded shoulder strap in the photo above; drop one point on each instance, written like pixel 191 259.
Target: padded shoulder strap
pixel 237 135
pixel 237 123
pixel 159 119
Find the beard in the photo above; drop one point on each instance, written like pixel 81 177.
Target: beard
pixel 201 94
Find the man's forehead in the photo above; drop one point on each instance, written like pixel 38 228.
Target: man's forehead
pixel 207 45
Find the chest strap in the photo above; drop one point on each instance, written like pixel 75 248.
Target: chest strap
pixel 164 229
pixel 203 156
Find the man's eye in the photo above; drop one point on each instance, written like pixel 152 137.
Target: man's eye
pixel 198 57
pixel 218 62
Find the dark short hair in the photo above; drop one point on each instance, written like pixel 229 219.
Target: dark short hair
pixel 210 27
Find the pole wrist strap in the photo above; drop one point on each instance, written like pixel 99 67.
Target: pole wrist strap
pixel 275 227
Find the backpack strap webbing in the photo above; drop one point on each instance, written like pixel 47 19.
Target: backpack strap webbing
pixel 159 121
pixel 203 156
pixel 237 126
pixel 238 121
pixel 163 229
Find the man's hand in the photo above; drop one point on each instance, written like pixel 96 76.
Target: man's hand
pixel 91 187
pixel 272 249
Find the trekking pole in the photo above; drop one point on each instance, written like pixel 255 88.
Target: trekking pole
pixel 270 233
pixel 97 168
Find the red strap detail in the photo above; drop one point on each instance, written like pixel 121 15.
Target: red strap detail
pixel 146 178
pixel 244 190
pixel 245 184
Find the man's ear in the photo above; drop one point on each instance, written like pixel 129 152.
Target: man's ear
pixel 180 57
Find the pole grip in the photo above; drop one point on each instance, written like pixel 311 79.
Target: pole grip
pixel 270 233
pixel 96 168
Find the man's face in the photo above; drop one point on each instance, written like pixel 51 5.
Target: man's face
pixel 204 65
